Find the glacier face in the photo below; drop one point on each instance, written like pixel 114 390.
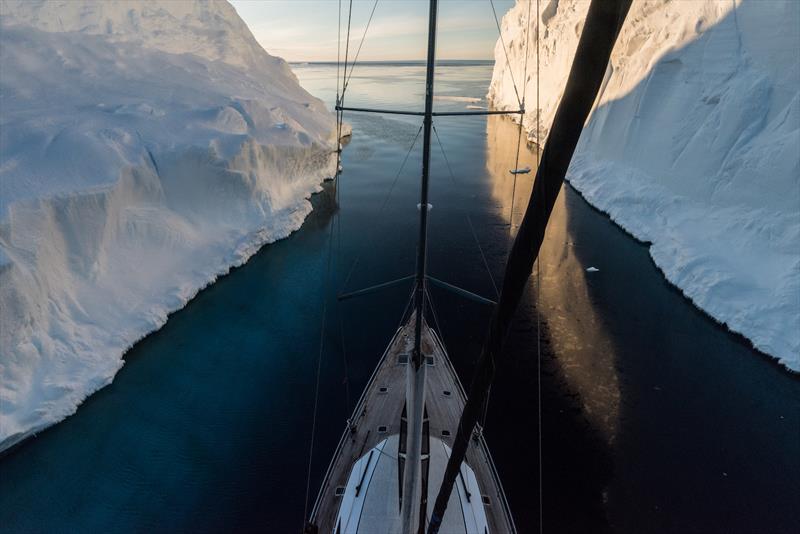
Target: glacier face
pixel 145 149
pixel 693 146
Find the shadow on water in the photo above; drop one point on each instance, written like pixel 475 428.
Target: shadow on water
pixel 655 417
pixel 578 381
pixel 709 431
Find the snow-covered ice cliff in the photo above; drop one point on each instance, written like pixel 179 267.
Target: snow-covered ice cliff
pixel 693 146
pixel 145 148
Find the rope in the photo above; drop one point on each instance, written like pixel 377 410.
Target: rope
pixel 505 51
pixel 383 206
pixel 469 219
pixel 347 81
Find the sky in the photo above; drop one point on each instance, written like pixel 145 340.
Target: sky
pixel 306 30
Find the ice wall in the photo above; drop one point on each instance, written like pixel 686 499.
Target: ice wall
pixel 693 145
pixel 145 148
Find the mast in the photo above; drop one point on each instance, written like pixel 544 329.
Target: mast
pixel 603 23
pixel 415 373
pixel 427 122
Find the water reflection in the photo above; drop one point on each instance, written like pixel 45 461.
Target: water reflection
pixel 582 346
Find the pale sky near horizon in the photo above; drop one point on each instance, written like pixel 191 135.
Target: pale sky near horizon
pixel 306 30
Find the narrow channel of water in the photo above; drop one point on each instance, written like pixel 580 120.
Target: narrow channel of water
pixel 655 419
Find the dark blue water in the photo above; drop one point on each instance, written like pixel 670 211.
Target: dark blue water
pixel 654 418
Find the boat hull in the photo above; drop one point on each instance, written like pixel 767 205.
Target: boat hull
pixel 376 419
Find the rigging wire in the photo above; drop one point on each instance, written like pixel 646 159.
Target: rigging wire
pixel 538 276
pixel 521 120
pixel 338 220
pixel 511 218
pixel 344 362
pixel 486 407
pixel 511 215
pixel 514 189
pixel 338 54
pixel 340 98
pixel 325 289
pixel 469 219
pixel 343 347
pixel 505 51
pixel 326 280
pixel 483 256
pixel 405 313
pixel 363 38
pixel 338 214
pixel 383 206
pixel 433 311
pixel 347 44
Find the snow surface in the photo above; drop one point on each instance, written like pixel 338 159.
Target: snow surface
pixel 146 147
pixel 693 146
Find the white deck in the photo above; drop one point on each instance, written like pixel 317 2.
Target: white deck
pixel 371 499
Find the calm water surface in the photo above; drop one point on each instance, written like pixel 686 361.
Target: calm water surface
pixel 654 418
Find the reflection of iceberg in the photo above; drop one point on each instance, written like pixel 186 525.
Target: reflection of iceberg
pixel 583 349
pixel 449 98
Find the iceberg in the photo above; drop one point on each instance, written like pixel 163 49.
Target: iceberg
pixel 693 146
pixel 146 148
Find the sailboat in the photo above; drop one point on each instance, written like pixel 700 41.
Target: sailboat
pixel 412 458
